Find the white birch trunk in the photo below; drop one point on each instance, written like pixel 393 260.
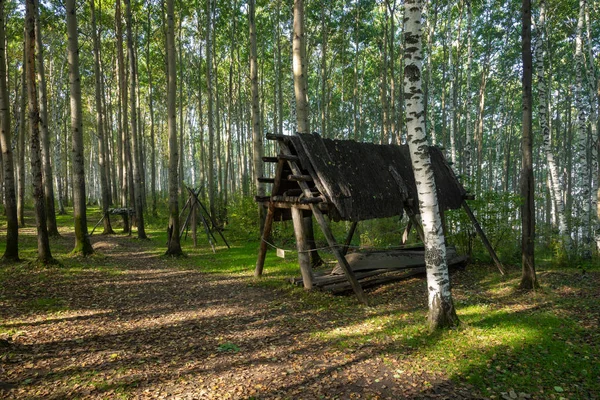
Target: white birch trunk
pixel 441 307
pixel 582 137
pixel 555 189
pixel 469 106
pixel 593 89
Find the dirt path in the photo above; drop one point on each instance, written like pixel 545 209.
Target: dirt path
pixel 151 330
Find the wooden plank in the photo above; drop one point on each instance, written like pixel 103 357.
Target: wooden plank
pixel 271 136
pixel 388 277
pixel 262 179
pixel 300 178
pixel 270 159
pixel 297 199
pixel 344 287
pixel 303 248
pixel 395 259
pixel 484 238
pixel 324 207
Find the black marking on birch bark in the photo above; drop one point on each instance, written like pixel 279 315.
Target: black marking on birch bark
pixel 434 257
pixel 412 73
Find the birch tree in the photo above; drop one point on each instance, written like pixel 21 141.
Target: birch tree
pixel 441 307
pixel 582 135
pixel 556 192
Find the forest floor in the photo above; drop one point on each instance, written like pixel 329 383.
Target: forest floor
pixel 129 322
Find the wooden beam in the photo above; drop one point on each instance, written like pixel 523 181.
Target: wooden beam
pixel 298 199
pixel 262 250
pixel 349 238
pixel 484 238
pixel 300 178
pixel 270 159
pixel 324 207
pixel 265 180
pixel 271 136
pixel 303 248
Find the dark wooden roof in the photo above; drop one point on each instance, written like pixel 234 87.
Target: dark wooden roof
pixel 356 179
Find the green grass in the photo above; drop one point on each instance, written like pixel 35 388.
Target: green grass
pixel 545 343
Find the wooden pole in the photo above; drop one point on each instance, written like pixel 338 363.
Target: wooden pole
pixel 195 224
pixel 303 247
pixel 349 238
pixel 262 251
pixel 406 232
pixel 484 238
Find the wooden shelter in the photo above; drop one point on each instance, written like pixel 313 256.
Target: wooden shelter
pixel 348 181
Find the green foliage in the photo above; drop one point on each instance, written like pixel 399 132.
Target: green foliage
pixel 493 211
pixel 228 347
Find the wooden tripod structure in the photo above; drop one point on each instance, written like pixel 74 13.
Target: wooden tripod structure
pixel 198 213
pixel 348 181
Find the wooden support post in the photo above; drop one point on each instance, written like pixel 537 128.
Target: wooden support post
pixel 97 223
pixel 262 251
pixel 195 224
pixel 349 238
pixel 303 247
pixel 484 238
pixel 406 232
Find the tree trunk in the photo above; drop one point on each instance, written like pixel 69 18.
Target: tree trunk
pixel 104 188
pixel 441 306
pixel 151 109
pixel 302 106
pixel 299 60
pixel 45 136
pixel 528 277
pixel 468 152
pixel 11 252
pixel 44 254
pixel 210 115
pixel 123 118
pixel 174 245
pixel 257 139
pixel 396 138
pixel 355 75
pixel 385 134
pixel 21 145
pixel 555 190
pixel 135 141
pixel 582 147
pixel 324 49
